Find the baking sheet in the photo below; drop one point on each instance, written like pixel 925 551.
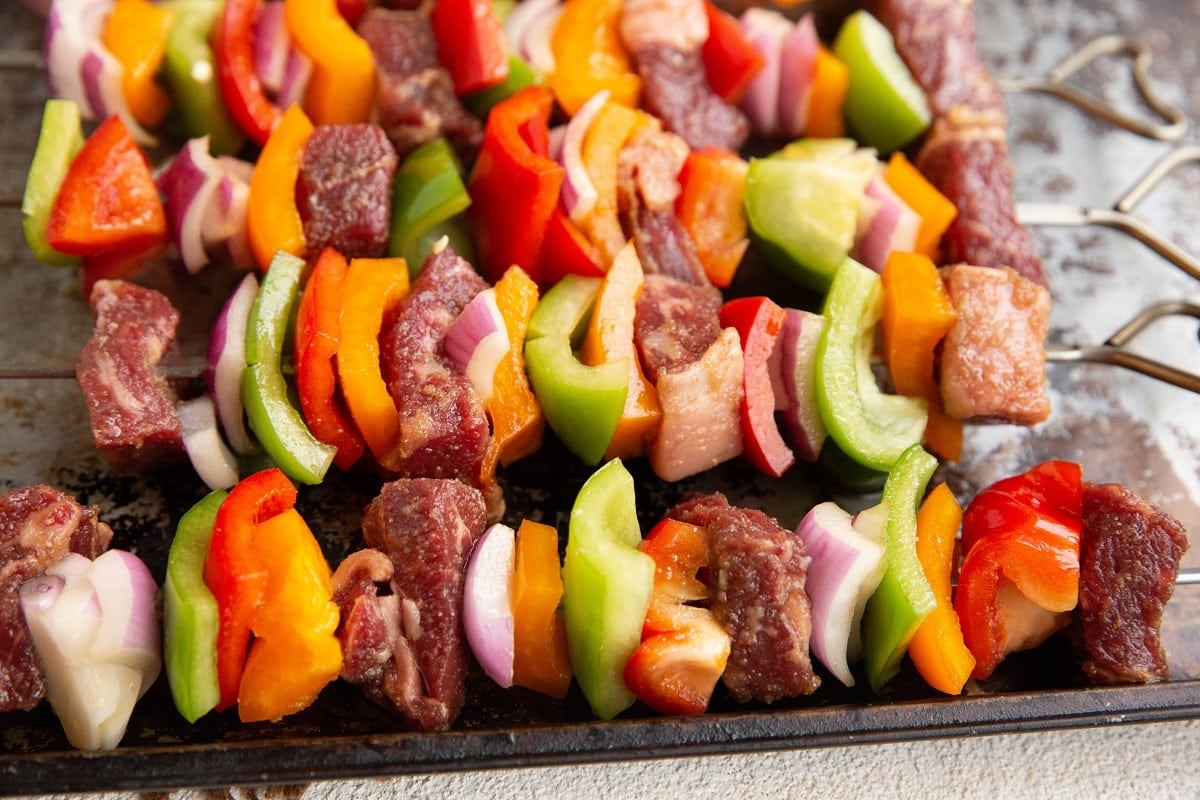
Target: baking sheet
pixel 1120 426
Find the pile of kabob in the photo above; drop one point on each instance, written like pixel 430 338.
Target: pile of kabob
pixel 468 221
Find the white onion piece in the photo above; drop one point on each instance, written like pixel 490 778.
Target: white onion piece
pixel 477 341
pixel 766 30
pixel 188 182
pixel 893 226
pixel 578 194
pixel 129 625
pixel 79 68
pixel 797 70
pixel 528 28
pixel 296 75
pixel 487 602
pixel 92 699
pixel 227 362
pixel 846 569
pixel 213 461
pixel 796 348
pixel 271 44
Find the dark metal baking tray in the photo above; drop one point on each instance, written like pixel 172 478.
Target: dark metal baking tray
pixel 1121 427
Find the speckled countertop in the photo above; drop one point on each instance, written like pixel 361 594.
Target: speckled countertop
pixel 1119 426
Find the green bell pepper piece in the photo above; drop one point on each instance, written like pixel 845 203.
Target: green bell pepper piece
pixel 189 73
pixel 904 598
pixel 803 214
pixel 885 107
pixel 607 584
pixel 279 427
pixel 582 404
pixel 61 137
pixel 190 614
pixel 427 192
pixel 520 75
pixel 871 427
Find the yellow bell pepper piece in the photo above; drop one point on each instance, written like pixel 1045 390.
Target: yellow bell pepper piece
pixel 342 86
pixel 272 220
pixel 295 652
pixel 136 35
pixel 589 56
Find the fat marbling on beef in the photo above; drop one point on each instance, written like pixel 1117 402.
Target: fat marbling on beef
pixel 664 37
pixel 1128 560
pixel 965 154
pixel 405 646
pixel 993 363
pixel 696 368
pixel 416 100
pixel 444 430
pixel 132 408
pixel 344 190
pixel 756 576
pixel 38 526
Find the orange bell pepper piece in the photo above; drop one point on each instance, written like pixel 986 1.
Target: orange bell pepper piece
pixel 342 86
pixel 373 288
pixel 517 421
pixel 295 653
pixel 684 649
pixel 917 314
pixel 272 220
pixel 711 206
pixel 609 338
pixel 136 34
pixel 589 56
pixel 933 207
pixel 318 332
pixel 937 649
pixel 825 117
pixel 613 126
pixel 540 658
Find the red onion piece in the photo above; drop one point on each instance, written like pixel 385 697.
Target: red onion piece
pixel 188 183
pixel 578 194
pixel 795 357
pixel 487 602
pixel 528 28
pixel 129 626
pixel 846 569
pixel 79 68
pixel 766 30
pixel 797 70
pixel 227 362
pixel 214 462
pixel 225 219
pixel 477 341
pixel 296 75
pixel 271 45
pixel 892 226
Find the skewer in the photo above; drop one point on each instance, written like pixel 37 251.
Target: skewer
pixel 1054 83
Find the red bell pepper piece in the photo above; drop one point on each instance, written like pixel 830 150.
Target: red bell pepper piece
pixel 684 649
pixel 758 321
pixel 1020 576
pixel 730 59
pixel 514 185
pixel 318 334
pixel 566 251
pixel 243 92
pixel 108 204
pixel 235 575
pixel 470 44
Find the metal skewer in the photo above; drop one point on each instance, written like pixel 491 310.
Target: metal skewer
pixel 1054 83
